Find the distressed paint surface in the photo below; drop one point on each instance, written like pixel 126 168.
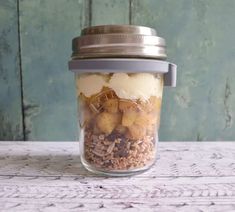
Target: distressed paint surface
pixel 199 36
pixel 10 94
pixel 47 28
pixel 189 176
pixel 200 39
pixel 109 12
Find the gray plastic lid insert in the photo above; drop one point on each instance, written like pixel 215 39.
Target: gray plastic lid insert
pixel 115 65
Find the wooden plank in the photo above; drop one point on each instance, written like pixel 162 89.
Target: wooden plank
pixel 88 195
pixel 10 86
pixel 47 28
pixel 199 35
pixel 114 206
pixel 48 178
pixel 109 12
pixel 62 159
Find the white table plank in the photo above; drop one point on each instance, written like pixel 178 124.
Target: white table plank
pixel 48 176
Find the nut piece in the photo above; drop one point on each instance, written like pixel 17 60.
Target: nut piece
pixel 137 131
pixel 106 122
pixel 111 105
pixel 129 118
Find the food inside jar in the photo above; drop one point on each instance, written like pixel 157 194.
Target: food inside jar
pixel 120 134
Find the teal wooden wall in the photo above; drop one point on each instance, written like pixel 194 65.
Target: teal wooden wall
pixel 37 92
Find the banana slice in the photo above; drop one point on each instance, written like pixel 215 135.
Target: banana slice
pixel 106 122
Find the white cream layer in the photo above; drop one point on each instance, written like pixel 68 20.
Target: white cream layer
pixel 136 86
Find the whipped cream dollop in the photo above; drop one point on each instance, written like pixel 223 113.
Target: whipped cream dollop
pixel 135 86
pixel 90 84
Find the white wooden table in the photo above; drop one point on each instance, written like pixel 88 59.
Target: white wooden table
pixel 48 176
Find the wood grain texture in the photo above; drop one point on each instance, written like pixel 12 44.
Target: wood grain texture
pixel 199 36
pixel 47 28
pixel 48 176
pixel 10 86
pixel 109 12
pixel 176 159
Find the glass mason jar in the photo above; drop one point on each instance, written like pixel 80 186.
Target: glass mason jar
pixel 120 72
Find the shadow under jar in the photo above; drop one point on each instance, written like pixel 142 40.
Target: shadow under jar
pixel 120 72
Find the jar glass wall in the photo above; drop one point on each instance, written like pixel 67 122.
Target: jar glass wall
pixel 119 116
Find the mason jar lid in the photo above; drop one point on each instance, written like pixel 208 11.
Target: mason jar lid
pixel 121 48
pixel 125 41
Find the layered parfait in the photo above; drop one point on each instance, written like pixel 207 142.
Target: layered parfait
pixel 119 119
